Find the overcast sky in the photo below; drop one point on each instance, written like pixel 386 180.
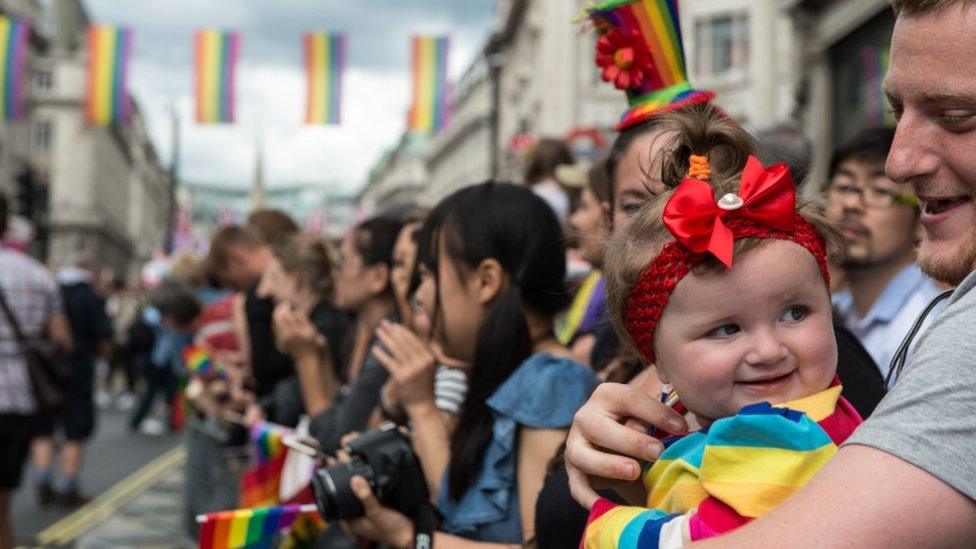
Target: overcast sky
pixel 270 82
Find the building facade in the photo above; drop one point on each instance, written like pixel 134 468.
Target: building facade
pixel 843 47
pixel 95 196
pixel 745 51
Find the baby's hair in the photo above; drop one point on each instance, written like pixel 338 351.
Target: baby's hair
pixel 701 131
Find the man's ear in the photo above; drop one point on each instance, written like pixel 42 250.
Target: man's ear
pixel 490 280
pixel 378 277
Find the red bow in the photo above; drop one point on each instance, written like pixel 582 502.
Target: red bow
pixel 766 196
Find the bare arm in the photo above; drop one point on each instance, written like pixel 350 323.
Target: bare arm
pixel 894 504
pixel 315 374
pixel 59 331
pixel 432 442
pixel 535 448
pixel 240 331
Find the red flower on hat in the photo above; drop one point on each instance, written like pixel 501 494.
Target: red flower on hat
pixel 623 57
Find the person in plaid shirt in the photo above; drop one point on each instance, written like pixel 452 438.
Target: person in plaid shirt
pixel 36 302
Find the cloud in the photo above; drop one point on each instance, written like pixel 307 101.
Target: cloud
pixel 271 80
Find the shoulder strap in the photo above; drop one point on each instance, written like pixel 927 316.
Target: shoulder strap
pixel 13 319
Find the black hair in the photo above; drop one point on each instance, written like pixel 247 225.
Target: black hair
pixel 4 213
pixel 512 225
pixel 176 300
pixel 416 236
pixel 869 145
pixel 374 240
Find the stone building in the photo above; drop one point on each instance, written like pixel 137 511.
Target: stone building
pixel 843 56
pixel 100 194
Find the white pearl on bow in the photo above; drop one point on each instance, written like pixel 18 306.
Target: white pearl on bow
pixel 730 201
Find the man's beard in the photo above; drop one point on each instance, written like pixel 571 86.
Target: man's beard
pixel 953 269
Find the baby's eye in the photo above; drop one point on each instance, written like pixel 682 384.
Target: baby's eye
pixel 726 330
pixel 795 313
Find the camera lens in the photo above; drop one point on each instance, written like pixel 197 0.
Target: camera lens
pixel 334 497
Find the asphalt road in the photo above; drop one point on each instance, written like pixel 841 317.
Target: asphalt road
pixel 114 453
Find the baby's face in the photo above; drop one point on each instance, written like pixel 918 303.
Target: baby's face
pixel 761 331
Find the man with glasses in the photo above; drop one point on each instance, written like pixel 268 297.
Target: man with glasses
pixel 879 219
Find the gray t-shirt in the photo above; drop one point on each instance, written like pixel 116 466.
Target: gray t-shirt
pixel 929 418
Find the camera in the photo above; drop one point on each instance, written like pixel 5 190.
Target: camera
pixel 385 458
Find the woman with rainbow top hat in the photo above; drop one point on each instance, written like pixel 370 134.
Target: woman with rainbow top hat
pixel 639 50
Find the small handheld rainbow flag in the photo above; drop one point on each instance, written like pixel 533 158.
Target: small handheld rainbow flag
pixel 249 527
pixel 325 59
pixel 199 363
pixel 430 111
pixel 261 485
pixel 106 93
pixel 216 66
pixel 13 50
pixel 266 438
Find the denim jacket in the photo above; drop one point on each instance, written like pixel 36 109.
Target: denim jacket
pixel 543 393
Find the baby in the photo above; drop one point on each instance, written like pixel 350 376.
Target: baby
pixel 722 284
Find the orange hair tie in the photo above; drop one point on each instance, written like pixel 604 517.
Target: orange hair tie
pixel 698 167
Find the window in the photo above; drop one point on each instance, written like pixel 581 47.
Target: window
pixel 721 45
pixel 42 136
pixel 43 80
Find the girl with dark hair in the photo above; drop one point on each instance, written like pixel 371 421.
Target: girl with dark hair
pixel 493 264
pixel 362 287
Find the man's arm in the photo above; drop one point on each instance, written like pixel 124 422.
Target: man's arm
pixel 864 498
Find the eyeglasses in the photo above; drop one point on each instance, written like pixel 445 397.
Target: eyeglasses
pixel 872 196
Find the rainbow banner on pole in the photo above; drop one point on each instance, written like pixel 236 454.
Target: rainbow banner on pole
pixel 13 50
pixel 429 112
pixel 325 59
pixel 106 92
pixel 216 67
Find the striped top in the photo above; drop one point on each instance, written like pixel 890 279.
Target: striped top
pixel 716 479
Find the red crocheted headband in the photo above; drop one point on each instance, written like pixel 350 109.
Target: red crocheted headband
pixel 765 207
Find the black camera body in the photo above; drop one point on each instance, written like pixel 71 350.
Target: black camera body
pixel 385 458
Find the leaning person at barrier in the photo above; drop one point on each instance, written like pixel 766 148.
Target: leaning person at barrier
pixel 723 285
pixel 494 263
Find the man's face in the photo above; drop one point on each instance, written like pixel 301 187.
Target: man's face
pixel 878 229
pixel 931 85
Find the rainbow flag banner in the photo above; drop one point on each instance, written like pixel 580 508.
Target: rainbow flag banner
pixel 106 92
pixel 266 438
pixel 430 111
pixel 216 66
pixel 325 59
pixel 13 50
pixel 249 527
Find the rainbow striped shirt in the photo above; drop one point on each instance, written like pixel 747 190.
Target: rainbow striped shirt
pixel 716 479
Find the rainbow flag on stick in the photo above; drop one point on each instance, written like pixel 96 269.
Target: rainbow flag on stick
pixel 248 527
pixel 325 59
pixel 13 50
pixel 216 66
pixel 200 363
pixel 106 92
pixel 266 438
pixel 429 112
pixel 261 485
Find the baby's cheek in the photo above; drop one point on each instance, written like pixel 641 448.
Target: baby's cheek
pixel 819 357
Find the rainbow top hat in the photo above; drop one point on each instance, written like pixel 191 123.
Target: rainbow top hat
pixel 640 51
